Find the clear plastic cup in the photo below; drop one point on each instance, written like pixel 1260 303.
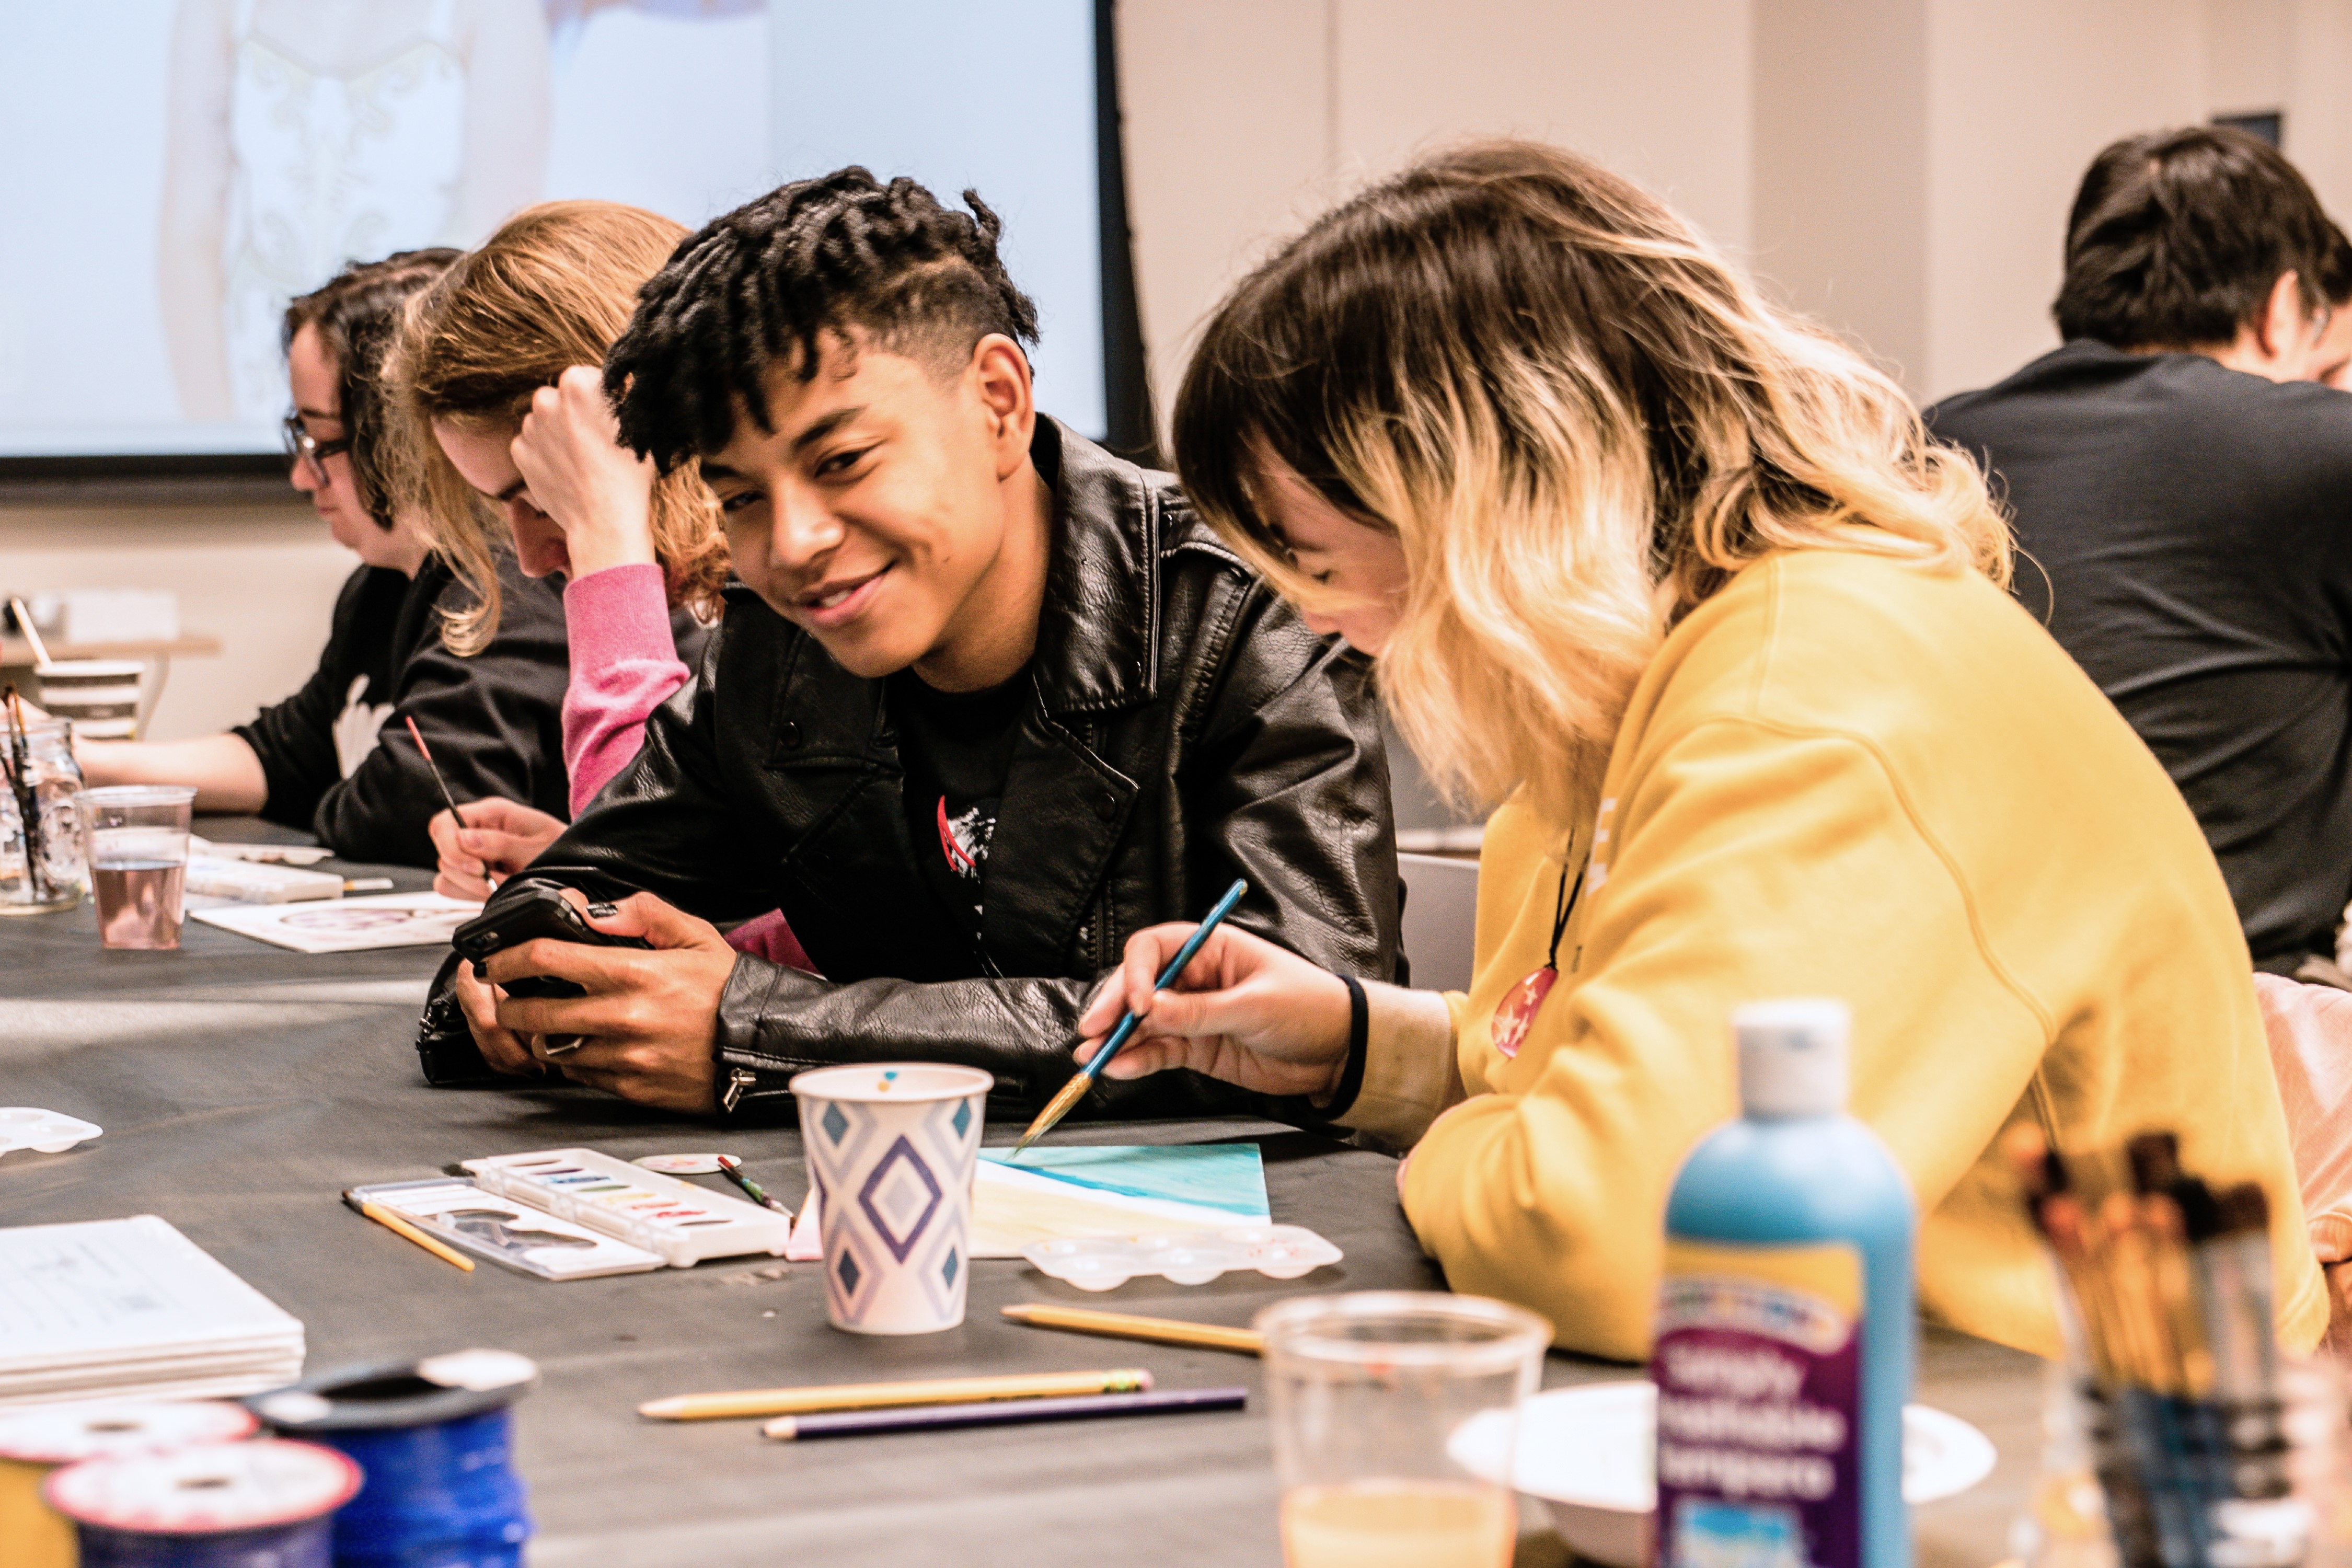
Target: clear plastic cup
pixel 1369 1392
pixel 136 839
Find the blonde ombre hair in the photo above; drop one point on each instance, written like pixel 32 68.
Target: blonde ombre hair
pixel 1577 419
pixel 551 288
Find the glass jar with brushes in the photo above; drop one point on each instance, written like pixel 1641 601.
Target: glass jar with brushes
pixel 41 866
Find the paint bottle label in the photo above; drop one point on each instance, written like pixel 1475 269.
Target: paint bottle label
pixel 1759 1376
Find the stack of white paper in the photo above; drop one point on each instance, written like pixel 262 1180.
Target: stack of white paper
pixel 129 1309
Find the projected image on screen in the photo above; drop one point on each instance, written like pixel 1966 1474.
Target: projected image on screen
pixel 183 168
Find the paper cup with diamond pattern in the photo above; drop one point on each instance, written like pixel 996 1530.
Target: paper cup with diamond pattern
pixel 891 1149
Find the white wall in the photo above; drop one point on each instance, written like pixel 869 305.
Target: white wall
pixel 2022 94
pixel 1243 119
pixel 261 579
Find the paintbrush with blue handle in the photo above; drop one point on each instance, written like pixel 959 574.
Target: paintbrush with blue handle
pixel 1084 1078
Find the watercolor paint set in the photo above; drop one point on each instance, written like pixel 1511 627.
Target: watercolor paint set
pixel 516 1236
pixel 677 1221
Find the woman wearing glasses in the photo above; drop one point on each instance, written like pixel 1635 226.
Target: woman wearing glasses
pixel 324 759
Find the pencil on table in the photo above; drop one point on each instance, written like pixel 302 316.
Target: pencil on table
pixel 1003 1412
pixel 399 1227
pixel 1129 1326
pixel 883 1395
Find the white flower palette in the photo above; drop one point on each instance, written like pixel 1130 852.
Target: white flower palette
pixel 682 1222
pixel 1188 1257
pixel 43 1131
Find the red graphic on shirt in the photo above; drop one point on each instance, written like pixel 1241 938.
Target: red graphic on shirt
pixel 963 840
pixel 1516 1013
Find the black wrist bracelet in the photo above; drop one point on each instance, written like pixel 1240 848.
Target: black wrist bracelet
pixel 1359 1026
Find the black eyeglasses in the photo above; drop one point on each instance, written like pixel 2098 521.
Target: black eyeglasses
pixel 302 446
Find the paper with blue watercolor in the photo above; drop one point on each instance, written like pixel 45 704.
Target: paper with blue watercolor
pixel 1060 1191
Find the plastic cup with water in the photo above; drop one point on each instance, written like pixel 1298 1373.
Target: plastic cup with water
pixel 136 839
pixel 1368 1391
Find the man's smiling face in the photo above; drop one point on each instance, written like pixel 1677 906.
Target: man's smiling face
pixel 873 513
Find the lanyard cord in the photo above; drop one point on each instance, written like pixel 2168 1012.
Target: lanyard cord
pixel 1563 904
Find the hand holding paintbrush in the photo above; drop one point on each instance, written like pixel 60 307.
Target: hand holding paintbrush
pixel 1084 1080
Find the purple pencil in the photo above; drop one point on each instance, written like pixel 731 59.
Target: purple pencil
pixel 1001 1413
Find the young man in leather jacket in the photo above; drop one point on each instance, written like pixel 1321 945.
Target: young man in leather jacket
pixel 986 700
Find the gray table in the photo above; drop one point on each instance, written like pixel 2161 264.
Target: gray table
pixel 243 1086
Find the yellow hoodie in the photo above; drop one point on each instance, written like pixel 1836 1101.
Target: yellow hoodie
pixel 1842 776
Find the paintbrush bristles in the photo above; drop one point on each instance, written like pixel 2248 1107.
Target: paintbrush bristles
pixel 1056 1108
pixel 28 801
pixel 2134 1239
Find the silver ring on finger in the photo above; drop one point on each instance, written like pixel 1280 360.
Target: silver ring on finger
pixel 560 1045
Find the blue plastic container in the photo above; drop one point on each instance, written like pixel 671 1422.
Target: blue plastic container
pixel 1785 1335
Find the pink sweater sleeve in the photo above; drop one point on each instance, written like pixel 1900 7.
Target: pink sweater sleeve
pixel 625 664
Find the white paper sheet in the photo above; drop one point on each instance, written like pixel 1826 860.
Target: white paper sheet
pixel 347 925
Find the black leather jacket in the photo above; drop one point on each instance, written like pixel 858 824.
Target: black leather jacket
pixel 1188 728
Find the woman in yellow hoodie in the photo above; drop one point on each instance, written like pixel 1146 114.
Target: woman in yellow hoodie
pixel 1681 582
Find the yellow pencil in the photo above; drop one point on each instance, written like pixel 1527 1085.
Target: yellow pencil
pixel 1128 1326
pixel 399 1227
pixel 882 1395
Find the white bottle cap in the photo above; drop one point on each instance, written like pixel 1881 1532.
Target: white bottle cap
pixel 1793 1056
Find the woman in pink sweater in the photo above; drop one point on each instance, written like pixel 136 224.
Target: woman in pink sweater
pixel 508 433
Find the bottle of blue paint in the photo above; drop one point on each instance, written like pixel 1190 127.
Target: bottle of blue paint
pixel 1784 1341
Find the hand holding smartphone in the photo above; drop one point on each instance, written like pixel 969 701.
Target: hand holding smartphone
pixel 534 912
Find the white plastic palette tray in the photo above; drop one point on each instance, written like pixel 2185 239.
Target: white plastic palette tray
pixel 1187 1257
pixel 42 1131
pixel 682 1222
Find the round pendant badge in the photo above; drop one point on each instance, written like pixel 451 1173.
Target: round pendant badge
pixel 1516 1013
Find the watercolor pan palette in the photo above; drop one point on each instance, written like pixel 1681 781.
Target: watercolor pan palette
pixel 684 1224
pixel 513 1235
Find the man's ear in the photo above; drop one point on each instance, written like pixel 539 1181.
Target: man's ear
pixel 2285 325
pixel 998 374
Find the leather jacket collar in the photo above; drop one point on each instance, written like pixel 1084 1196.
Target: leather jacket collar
pixel 1097 642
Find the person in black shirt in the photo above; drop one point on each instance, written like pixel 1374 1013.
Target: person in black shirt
pixel 957 748
pixel 2182 497
pixel 321 758
pixel 986 699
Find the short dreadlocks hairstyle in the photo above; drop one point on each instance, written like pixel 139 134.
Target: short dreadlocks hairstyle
pixel 768 282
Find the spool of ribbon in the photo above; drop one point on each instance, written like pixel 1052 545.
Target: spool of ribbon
pixel 434 1439
pixel 34 1443
pixel 211 1505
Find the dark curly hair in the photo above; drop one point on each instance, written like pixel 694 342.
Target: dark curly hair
pixel 763 285
pixel 357 313
pixel 2176 238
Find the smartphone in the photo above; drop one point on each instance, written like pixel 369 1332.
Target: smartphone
pixel 535 912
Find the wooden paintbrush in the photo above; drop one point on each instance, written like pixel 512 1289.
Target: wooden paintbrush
pixel 417 735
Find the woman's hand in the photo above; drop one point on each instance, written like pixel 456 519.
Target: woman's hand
pixel 597 491
pixel 1244 1010
pixel 496 839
